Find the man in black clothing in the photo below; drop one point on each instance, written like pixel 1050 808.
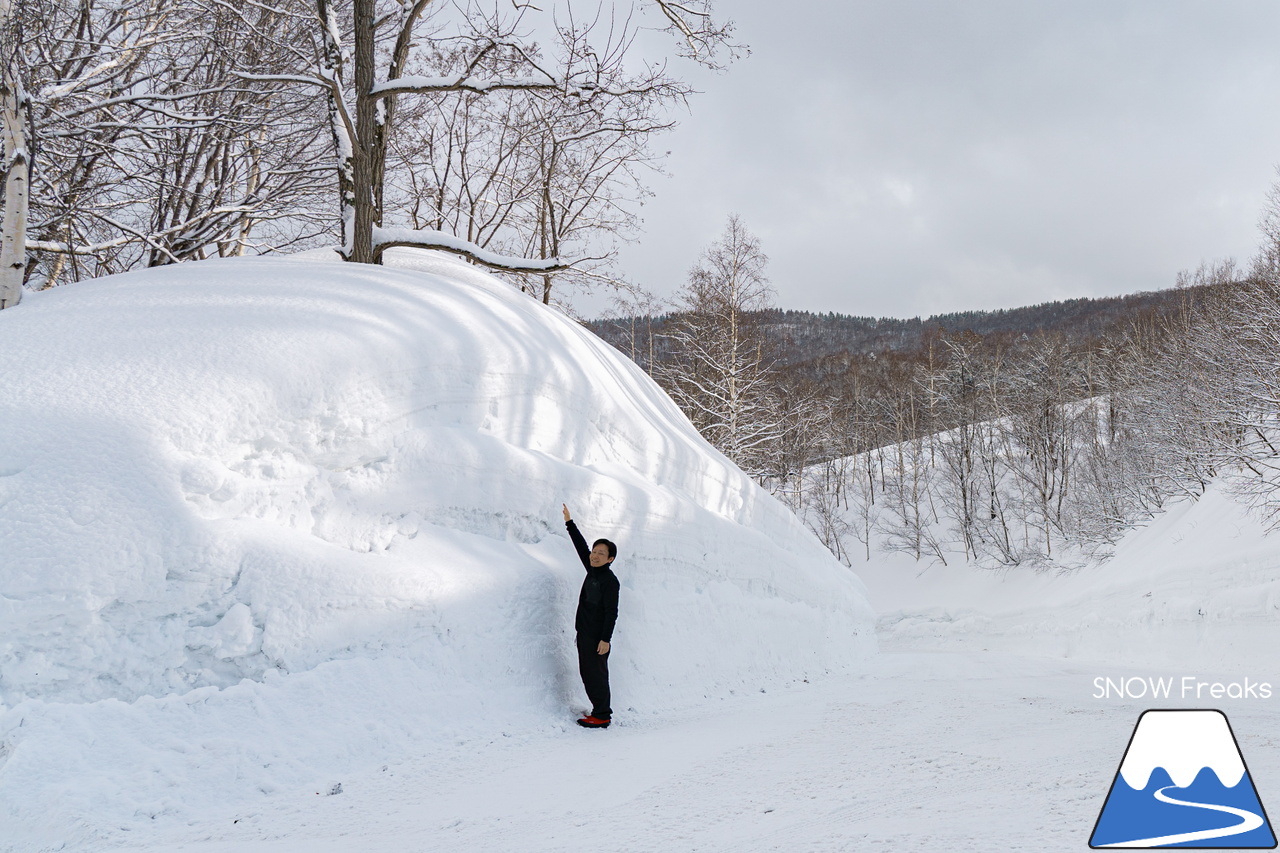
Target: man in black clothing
pixel 597 613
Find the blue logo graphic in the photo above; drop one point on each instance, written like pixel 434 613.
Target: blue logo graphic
pixel 1183 783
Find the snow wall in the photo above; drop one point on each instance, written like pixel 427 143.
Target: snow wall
pixel 259 497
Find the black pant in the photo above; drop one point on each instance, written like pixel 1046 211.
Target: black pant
pixel 594 668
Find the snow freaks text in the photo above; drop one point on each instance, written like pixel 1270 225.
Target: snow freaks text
pixel 1186 687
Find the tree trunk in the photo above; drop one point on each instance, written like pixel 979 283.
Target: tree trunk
pixel 13 237
pixel 366 131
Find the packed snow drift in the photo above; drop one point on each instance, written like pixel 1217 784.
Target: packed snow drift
pixel 265 519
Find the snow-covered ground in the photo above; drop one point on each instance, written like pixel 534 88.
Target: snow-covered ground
pixel 266 521
pixel 282 569
pixel 924 752
pixel 1198 587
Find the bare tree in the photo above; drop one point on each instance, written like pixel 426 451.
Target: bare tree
pixel 807 422
pixel 828 512
pixel 860 437
pixel 173 131
pixel 529 175
pixel 909 517
pixel 473 53
pixel 1234 353
pixel 1178 390
pixel 588 164
pixel 150 152
pixel 955 395
pixel 636 307
pixel 1042 448
pixel 720 373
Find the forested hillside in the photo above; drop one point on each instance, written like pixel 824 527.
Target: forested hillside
pixel 800 338
pixel 1009 437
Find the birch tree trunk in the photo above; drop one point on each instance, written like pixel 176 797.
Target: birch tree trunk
pixel 13 236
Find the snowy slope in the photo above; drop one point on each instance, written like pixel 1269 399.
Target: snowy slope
pixel 1197 587
pixel 266 520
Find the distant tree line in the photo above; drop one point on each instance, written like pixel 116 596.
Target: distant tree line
pixel 817 343
pixel 1018 437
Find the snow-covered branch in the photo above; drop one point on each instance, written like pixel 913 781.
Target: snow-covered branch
pixel 387 238
pixel 78 249
pixel 421 84
pixel 305 79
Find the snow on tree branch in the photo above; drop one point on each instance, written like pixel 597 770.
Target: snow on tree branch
pixel 387 238
pixel 418 83
pixel 703 37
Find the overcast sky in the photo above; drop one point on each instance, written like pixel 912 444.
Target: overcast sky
pixel 901 157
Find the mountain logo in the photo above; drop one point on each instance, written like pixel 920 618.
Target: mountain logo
pixel 1183 783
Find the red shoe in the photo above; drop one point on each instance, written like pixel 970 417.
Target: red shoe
pixel 593 723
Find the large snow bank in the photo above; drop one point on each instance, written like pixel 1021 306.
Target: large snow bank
pixel 264 499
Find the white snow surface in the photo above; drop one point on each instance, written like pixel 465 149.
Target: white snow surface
pixel 282 571
pixel 265 522
pixel 1183 743
pixel 1196 590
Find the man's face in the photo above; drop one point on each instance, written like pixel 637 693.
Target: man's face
pixel 599 555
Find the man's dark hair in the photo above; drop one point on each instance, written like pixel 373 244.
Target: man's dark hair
pixel 613 549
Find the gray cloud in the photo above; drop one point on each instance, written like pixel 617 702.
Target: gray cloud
pixel 910 157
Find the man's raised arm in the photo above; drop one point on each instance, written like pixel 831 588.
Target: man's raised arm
pixel 584 553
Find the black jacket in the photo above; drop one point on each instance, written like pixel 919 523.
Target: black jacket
pixel 598 601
